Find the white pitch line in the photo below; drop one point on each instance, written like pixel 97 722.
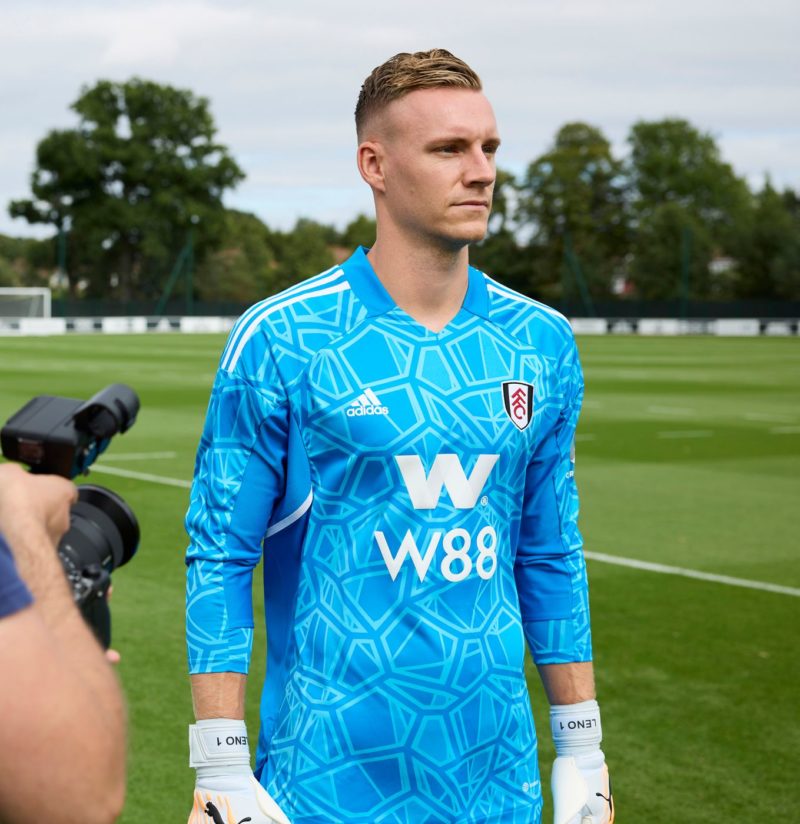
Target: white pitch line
pixel 692 573
pixel 785 430
pixel 769 417
pixel 686 433
pixel 670 410
pixel 593 556
pixel 141 456
pixel 142 476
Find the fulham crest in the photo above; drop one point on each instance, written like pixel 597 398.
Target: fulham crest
pixel 518 401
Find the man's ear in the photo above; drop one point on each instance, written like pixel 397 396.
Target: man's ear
pixel 371 158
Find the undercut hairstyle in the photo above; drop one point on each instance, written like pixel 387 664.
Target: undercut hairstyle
pixel 406 72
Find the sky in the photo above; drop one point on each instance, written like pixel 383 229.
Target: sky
pixel 283 78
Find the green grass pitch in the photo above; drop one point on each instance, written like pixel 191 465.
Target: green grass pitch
pixel 688 455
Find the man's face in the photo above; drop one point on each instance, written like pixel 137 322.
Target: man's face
pixel 439 164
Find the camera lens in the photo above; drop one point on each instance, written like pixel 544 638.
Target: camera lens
pixel 103 530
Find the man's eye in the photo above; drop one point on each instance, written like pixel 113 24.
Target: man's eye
pixel 449 149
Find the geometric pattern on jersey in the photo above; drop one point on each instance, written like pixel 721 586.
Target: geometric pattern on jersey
pixel 413 539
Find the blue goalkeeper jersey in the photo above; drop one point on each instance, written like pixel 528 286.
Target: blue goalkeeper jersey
pixel 412 495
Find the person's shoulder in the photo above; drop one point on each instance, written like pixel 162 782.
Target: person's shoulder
pixel 304 299
pixel 525 318
pixel 306 304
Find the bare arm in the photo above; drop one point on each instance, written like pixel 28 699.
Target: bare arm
pixel 568 683
pixel 218 695
pixel 63 753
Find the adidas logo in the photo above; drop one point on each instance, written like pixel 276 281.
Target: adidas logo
pixel 366 403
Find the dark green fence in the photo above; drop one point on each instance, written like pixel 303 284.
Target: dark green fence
pixel 64 308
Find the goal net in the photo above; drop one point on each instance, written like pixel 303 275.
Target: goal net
pixel 22 302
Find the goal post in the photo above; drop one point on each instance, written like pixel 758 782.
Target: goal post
pixel 25 302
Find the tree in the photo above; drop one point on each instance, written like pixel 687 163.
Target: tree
pixel 770 264
pixel 242 269
pixel 359 232
pixel 9 276
pixel 25 261
pixel 304 251
pixel 672 162
pixel 573 201
pixel 140 170
pixel 671 254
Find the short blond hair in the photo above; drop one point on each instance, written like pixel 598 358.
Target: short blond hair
pixel 406 72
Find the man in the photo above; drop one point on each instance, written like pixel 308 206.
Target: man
pixel 62 736
pixel 398 431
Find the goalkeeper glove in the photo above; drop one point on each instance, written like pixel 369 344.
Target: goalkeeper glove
pixel 579 781
pixel 226 791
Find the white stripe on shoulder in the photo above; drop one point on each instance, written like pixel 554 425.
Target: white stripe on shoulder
pixel 498 288
pixel 248 323
pixel 290 519
pixel 242 323
pixel 274 306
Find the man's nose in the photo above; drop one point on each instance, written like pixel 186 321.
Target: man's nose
pixel 480 169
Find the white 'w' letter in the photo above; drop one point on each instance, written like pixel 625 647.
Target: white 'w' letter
pixel 446 471
pixel 408 547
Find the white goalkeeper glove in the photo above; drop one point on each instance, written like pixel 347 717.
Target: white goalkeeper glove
pixel 579 781
pixel 226 791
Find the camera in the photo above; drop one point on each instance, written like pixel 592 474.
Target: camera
pixel 64 436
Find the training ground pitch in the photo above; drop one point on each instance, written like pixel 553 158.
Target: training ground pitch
pixel 688 457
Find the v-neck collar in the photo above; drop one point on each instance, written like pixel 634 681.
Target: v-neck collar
pixel 372 293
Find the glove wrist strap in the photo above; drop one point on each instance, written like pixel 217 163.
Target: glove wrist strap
pixel 576 728
pixel 219 745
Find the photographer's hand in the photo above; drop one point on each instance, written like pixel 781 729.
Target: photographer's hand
pixel 33 504
pixel 75 735
pixel 34 514
pixel 42 500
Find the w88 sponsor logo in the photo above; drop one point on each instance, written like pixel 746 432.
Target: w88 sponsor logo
pixel 458 545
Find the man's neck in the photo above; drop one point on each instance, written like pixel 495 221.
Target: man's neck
pixel 427 283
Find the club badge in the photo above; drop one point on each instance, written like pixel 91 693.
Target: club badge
pixel 518 401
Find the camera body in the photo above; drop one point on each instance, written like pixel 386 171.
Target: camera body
pixel 64 436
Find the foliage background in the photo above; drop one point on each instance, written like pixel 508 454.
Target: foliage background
pixel 135 195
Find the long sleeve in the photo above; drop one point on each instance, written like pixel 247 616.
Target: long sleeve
pixel 550 570
pixel 238 484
